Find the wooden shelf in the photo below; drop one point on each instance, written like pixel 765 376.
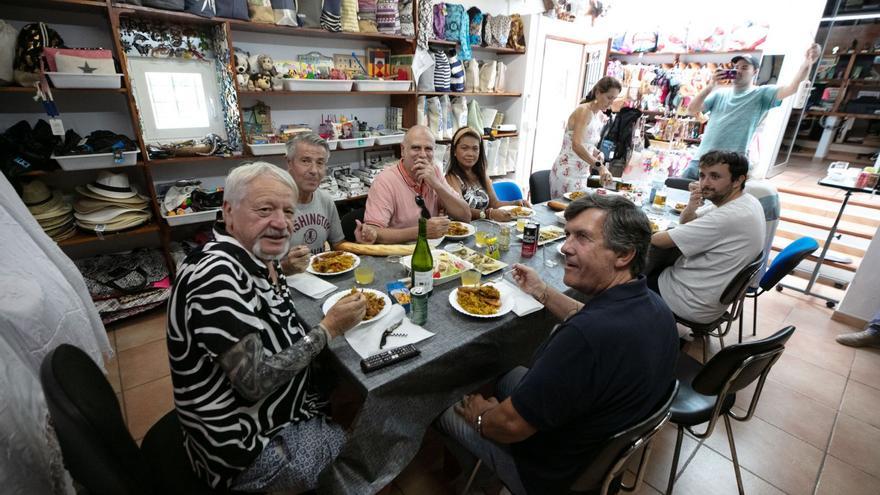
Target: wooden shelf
pixel 255 27
pixel 467 93
pixel 307 93
pixel 499 50
pixel 486 136
pixel 83 238
pixel 195 159
pixel 352 198
pixel 94 6
pixel 615 53
pixel 165 15
pixel 31 90
pixel 867 116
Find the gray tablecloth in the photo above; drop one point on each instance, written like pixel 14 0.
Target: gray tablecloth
pixel 401 401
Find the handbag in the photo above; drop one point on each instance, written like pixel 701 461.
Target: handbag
pixel 387 16
pixel 80 60
pixel 456 74
pixel 471 76
pixel 349 16
pixel 440 21
pixel 232 9
pixel 475 116
pixel 517 37
pixel 261 11
pixel 32 39
pixel 441 71
pixel 331 16
pixel 475 26
pixel 459 113
pixel 496 31
pixel 500 77
pixel 487 76
pixel 308 13
pixel 407 25
pixel 367 16
pixel 284 12
pixel 202 8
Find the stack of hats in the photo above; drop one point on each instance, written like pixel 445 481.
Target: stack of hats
pixel 110 204
pixel 50 210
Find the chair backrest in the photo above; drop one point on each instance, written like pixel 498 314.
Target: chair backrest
pixel 506 190
pixel 737 287
pixel 349 224
pixel 736 366
pixel 614 454
pixel 98 450
pixel 787 260
pixel 539 186
pixel 766 194
pixel 678 183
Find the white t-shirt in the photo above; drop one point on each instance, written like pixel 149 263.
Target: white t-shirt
pixel 714 247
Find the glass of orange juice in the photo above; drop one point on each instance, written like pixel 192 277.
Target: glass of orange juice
pixel 480 237
pixel 470 278
pixel 364 274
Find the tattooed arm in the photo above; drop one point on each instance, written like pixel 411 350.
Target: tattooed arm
pixel 255 375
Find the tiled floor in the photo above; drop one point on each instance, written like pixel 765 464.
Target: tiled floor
pixel 816 429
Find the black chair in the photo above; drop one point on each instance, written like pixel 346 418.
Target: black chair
pixel 678 183
pixel 709 391
pixel 608 467
pixel 732 297
pixel 539 187
pixel 98 450
pixel 349 224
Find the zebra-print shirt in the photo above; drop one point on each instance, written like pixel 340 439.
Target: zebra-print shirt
pixel 221 294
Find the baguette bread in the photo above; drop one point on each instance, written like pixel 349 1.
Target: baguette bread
pixel 377 249
pixel 556 205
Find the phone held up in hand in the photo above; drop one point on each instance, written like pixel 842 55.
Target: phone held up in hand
pixel 728 74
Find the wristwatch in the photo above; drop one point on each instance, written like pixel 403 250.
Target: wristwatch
pixel 482 214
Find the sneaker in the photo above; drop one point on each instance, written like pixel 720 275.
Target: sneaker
pixel 865 338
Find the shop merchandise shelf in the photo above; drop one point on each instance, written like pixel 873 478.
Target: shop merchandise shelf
pixel 191 218
pixel 31 90
pixel 503 50
pixel 194 159
pixel 312 93
pixel 486 136
pixel 867 116
pixel 615 53
pixel 255 27
pixel 468 93
pixel 62 5
pixel 95 161
pixel 82 238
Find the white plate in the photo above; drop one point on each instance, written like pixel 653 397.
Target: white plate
pixel 568 195
pixel 560 215
pixel 436 254
pixel 510 207
pixel 436 242
pixel 548 227
pixel 357 261
pixel 470 232
pixel 481 262
pixel 339 295
pixel 506 303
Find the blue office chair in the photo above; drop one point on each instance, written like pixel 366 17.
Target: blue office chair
pixel 507 191
pixel 783 264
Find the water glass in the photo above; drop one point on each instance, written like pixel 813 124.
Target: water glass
pixel 521 224
pixel 364 274
pixel 550 255
pixel 470 278
pixel 480 237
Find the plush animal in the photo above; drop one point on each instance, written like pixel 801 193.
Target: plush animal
pixel 263 82
pixel 265 65
pixel 242 70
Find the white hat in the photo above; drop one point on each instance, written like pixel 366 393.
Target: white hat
pixel 136 199
pixel 110 185
pixel 121 222
pixel 105 215
pixel 88 204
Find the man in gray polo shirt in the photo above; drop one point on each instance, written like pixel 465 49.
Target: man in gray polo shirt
pixel 316 220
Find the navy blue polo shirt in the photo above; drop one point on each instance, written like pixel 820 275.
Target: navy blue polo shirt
pixel 604 369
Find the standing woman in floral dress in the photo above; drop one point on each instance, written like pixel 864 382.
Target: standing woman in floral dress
pixel 580 145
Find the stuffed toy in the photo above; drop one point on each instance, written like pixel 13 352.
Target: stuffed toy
pixel 242 69
pixel 263 82
pixel 266 66
pixel 517 37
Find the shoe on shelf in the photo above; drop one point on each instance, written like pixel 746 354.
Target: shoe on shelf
pixel 865 338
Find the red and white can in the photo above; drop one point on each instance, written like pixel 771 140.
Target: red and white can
pixel 530 240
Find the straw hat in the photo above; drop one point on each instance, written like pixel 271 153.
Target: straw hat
pixel 89 205
pixel 40 200
pixel 110 185
pixel 121 222
pixel 105 215
pixel 133 200
pixel 52 223
pixel 61 210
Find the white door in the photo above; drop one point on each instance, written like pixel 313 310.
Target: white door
pixel 560 92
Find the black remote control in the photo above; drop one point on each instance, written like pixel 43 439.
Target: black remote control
pixel 389 357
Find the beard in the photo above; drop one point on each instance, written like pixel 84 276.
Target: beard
pixel 270 232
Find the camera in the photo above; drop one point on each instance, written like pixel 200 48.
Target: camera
pixel 728 74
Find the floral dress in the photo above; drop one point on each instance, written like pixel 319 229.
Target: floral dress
pixel 570 172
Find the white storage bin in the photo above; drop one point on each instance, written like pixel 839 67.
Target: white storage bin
pixel 331 143
pixel 317 85
pixel 97 160
pixel 348 144
pixel 202 216
pixel 379 85
pixel 64 80
pixel 268 149
pixel 390 139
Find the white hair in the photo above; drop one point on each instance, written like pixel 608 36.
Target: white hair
pixel 240 177
pixel 310 138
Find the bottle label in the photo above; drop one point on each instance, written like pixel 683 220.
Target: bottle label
pixel 424 279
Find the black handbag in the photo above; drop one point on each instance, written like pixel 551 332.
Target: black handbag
pixel 232 9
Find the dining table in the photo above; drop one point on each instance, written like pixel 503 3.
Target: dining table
pixel 400 402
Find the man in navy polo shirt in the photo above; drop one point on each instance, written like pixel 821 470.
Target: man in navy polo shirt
pixel 608 365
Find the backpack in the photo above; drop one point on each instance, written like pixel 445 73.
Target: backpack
pixel 617 135
pixel 29 48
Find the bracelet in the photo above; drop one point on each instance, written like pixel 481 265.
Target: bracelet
pixel 543 298
pixel 479 423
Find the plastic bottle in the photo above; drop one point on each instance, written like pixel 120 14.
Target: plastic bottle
pixel 658 183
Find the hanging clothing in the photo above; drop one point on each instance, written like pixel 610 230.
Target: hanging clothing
pixel 570 172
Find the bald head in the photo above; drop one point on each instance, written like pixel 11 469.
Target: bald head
pixel 417 146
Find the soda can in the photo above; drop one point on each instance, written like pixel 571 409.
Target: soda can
pixel 419 302
pixel 530 240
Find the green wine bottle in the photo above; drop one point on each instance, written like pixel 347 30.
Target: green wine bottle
pixel 422 260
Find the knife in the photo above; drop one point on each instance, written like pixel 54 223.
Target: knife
pixel 388 332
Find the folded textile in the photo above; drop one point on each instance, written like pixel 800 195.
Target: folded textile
pixel 310 285
pixel 365 339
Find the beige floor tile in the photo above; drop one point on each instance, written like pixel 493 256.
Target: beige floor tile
pixel 821 350
pixel 112 366
pixel 146 404
pixel 143 364
pixel 815 318
pixel 856 442
pixel 141 330
pixel 792 412
pixel 866 367
pixel 840 478
pixel 660 462
pixel 808 379
pixel 712 474
pixel 862 402
pixel 774 455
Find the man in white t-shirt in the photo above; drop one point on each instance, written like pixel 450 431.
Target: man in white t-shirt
pixel 716 241
pixel 315 219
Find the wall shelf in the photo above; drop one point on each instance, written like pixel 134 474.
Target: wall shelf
pixel 308 93
pixel 255 27
pixel 32 91
pixel 503 50
pixel 468 93
pixel 83 238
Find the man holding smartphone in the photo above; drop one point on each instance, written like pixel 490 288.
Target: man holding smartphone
pixel 737 107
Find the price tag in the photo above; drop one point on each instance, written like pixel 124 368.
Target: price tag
pixel 57 127
pixel 99 230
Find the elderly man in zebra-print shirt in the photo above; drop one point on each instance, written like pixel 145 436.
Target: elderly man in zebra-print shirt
pixel 241 356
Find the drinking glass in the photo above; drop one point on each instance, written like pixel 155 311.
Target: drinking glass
pixel 480 237
pixel 660 199
pixel 549 253
pixel 470 278
pixel 364 274
pixel 521 224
